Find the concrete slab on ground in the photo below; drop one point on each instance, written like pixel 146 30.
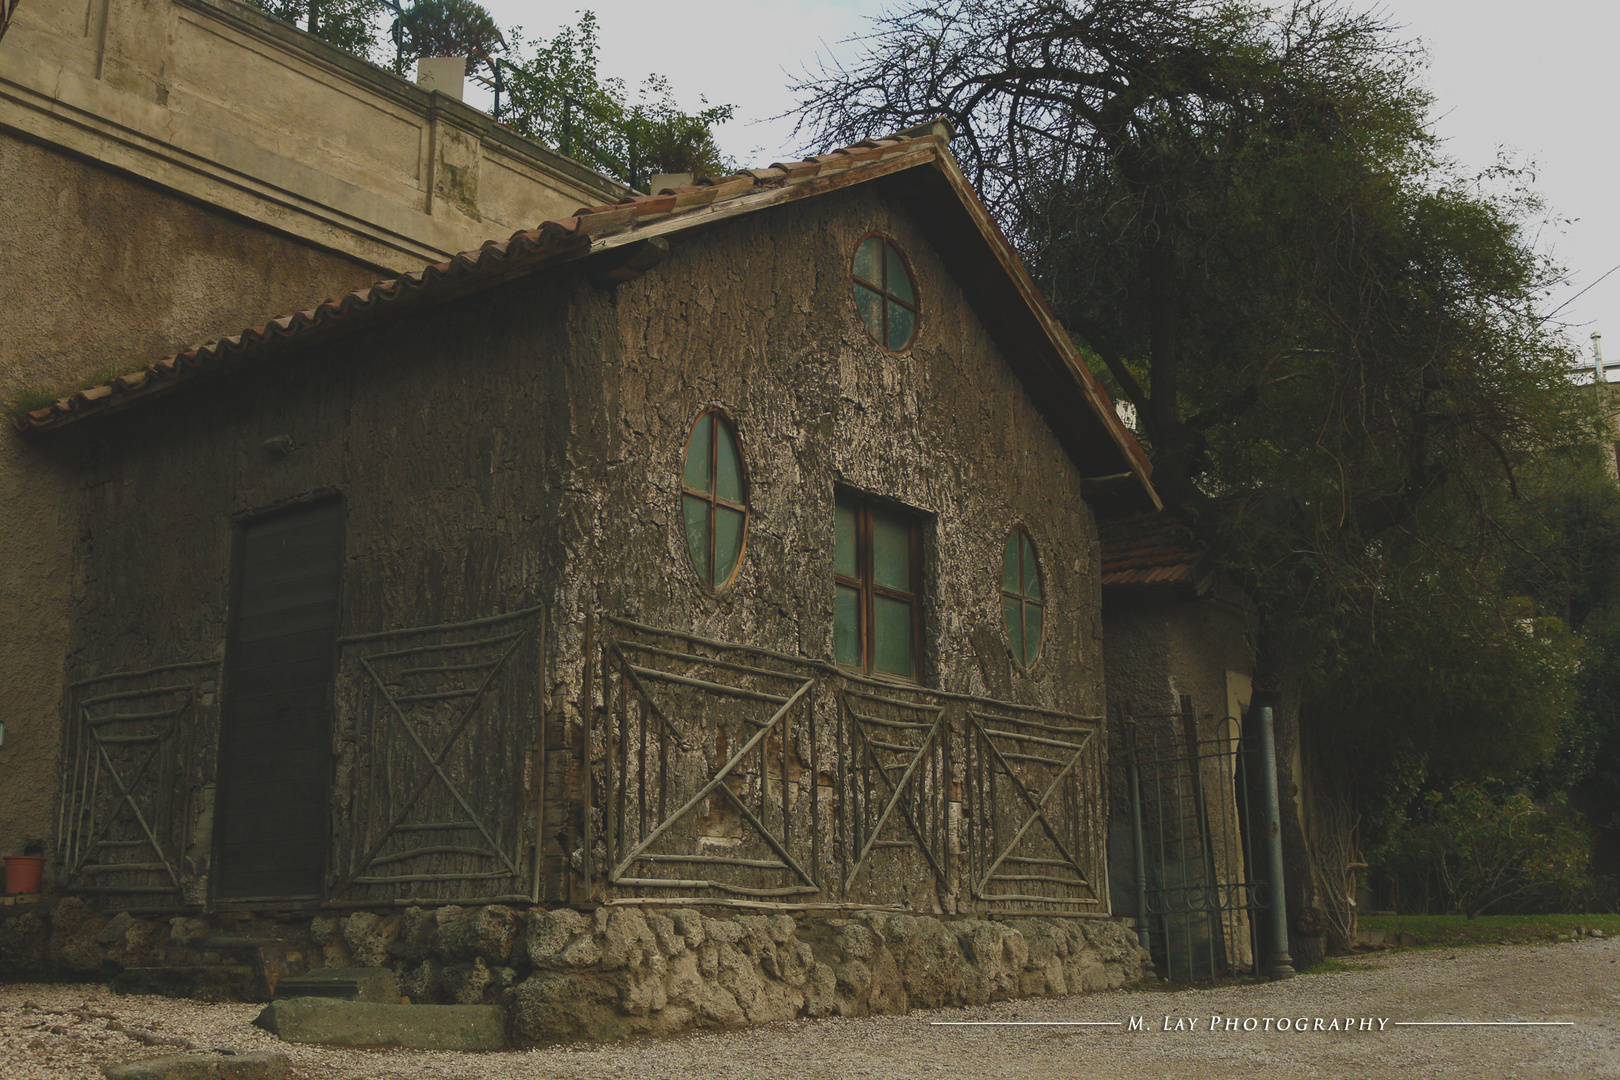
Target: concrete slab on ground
pixel 204 1065
pixel 334 1022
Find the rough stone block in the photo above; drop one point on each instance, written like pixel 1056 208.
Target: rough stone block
pixel 467 934
pixel 629 942
pixel 566 1005
pixel 331 1022
pixel 370 936
pixel 115 928
pixel 549 935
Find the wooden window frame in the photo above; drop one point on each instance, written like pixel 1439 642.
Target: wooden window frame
pixel 712 497
pixel 868 590
pixel 882 290
pixel 1024 602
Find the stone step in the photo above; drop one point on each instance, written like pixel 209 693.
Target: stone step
pixel 348 984
pixel 330 1022
pixel 200 982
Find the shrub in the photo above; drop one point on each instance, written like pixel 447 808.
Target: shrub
pixel 1469 853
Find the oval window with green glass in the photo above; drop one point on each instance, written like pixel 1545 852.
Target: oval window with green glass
pixel 885 293
pixel 714 500
pixel 1022 599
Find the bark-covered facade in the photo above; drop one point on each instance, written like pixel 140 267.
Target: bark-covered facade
pixel 408 609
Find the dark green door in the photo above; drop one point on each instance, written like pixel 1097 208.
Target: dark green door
pixel 275 729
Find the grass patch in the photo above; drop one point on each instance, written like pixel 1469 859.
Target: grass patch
pixel 1460 932
pixel 38 398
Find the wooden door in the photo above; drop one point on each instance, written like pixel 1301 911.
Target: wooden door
pixel 275 727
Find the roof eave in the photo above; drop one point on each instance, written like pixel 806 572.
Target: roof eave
pixel 1127 488
pixel 1139 495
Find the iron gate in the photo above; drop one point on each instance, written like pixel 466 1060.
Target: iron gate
pixel 1196 811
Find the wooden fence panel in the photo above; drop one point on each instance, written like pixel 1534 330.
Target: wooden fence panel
pixel 127 789
pixel 704 789
pixel 717 772
pixel 1035 810
pixel 439 741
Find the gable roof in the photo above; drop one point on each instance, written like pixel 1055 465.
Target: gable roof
pixel 914 165
pixel 1154 550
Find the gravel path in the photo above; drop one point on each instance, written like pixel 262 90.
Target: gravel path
pixel 52 1032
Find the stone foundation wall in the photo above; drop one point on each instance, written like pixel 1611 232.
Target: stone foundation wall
pixel 616 971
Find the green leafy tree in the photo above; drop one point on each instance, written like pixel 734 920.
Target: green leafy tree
pixel 1571 561
pixel 448 28
pixel 1329 335
pixel 555 95
pixel 352 25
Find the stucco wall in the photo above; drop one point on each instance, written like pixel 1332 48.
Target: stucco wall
pixel 1160 644
pixel 112 274
pixel 175 171
pixel 218 102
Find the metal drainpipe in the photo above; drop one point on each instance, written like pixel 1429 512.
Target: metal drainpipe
pixel 1282 965
pixel 1141 858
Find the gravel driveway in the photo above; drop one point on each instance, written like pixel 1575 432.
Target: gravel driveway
pixel 69 1031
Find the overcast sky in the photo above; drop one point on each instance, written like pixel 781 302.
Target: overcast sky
pixel 1528 77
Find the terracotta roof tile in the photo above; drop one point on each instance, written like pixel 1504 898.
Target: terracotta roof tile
pixel 1154 549
pixel 798 170
pixel 523 251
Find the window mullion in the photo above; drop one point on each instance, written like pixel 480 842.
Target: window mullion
pixel 714 491
pixel 883 267
pixel 1023 615
pixel 868 600
pixel 916 591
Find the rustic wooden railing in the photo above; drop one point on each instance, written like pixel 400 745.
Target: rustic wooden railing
pixel 437 743
pixel 125 812
pixel 718 770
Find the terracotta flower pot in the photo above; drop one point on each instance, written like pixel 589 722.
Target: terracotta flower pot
pixel 23 873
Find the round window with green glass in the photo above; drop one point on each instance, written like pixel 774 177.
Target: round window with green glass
pixel 714 500
pixel 1022 599
pixel 885 293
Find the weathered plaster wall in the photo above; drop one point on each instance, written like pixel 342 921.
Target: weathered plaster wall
pixel 758 317
pixel 1160 644
pixel 442 475
pixel 175 171
pixel 112 274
